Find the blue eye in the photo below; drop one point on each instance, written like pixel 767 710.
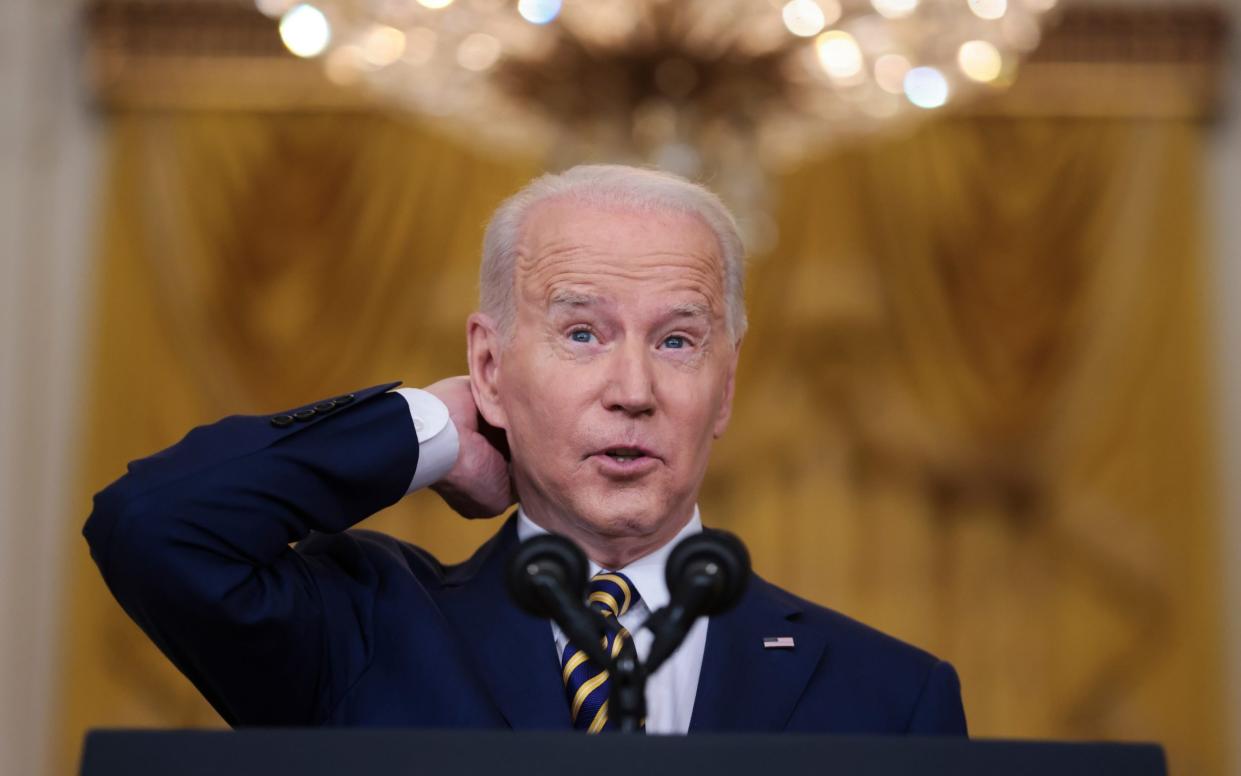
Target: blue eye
pixel 581 335
pixel 676 342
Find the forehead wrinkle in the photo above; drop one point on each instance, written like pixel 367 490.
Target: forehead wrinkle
pixel 569 290
pixel 548 263
pixel 551 251
pixel 551 275
pixel 534 264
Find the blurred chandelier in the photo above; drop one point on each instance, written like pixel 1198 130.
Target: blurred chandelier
pixel 718 88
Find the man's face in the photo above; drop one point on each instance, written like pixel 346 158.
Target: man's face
pixel 619 373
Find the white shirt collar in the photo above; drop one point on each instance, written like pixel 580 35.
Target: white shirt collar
pixel 646 573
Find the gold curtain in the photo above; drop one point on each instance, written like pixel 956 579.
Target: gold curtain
pixel 972 408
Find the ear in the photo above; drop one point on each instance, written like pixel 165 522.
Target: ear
pixel 726 406
pixel 484 345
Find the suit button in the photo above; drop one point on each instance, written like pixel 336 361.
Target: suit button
pixel 304 415
pixel 280 421
pixel 325 406
pixel 342 400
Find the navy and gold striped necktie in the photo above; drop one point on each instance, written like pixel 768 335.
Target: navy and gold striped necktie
pixel 586 682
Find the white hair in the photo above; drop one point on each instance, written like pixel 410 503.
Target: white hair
pixel 608 185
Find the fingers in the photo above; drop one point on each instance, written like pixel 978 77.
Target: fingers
pixel 480 483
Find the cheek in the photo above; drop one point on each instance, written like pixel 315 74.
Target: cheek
pixel 687 415
pixel 697 410
pixel 545 402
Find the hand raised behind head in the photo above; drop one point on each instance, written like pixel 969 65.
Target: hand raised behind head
pixel 479 483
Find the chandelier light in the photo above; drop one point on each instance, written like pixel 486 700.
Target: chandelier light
pixel 728 89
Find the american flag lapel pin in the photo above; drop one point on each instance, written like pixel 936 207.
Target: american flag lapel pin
pixel 778 642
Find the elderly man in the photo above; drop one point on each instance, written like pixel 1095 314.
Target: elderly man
pixel 602 366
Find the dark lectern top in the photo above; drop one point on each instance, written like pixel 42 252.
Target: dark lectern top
pixel 359 752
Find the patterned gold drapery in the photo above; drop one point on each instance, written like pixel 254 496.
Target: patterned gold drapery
pixel 972 408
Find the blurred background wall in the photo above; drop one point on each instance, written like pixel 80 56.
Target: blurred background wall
pixel 1224 163
pixel 989 401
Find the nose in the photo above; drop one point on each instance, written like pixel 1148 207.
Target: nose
pixel 630 381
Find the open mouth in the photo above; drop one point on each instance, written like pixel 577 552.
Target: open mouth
pixel 623 454
pixel 625 460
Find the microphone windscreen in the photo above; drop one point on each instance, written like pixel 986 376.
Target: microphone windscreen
pixel 548 558
pixel 719 555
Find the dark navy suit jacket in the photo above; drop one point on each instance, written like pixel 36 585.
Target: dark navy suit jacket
pixel 230 550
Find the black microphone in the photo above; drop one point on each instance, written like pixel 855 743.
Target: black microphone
pixel 706 574
pixel 547 578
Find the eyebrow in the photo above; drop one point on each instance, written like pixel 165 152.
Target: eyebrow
pixel 691 310
pixel 565 298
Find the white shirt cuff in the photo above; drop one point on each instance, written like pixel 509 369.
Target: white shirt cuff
pixel 437 437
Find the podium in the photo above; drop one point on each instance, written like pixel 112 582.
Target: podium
pixel 373 752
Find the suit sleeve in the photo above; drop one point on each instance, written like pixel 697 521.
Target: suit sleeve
pixel 939 711
pixel 195 543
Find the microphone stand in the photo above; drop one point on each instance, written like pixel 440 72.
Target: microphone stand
pixel 628 697
pixel 670 625
pixel 583 626
pixel 706 575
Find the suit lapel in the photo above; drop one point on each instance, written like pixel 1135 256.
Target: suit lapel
pixel 512 651
pixel 744 685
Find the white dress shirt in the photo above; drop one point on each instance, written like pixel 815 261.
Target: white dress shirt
pixel 437 437
pixel 670 692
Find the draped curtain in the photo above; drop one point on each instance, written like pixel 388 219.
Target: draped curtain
pixel 972 406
